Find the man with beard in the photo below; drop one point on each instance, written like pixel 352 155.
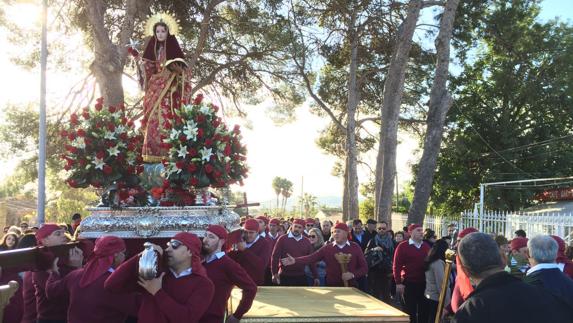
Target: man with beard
pixel 356 268
pixel 53 310
pixel 182 294
pixel 326 230
pixel 295 245
pixel 253 253
pixel 89 302
pixel 224 273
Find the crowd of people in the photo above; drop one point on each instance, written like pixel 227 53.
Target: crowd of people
pixel 492 279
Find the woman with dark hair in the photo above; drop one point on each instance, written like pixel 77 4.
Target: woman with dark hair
pixel 434 265
pixel 167 83
pixel 28 297
pixel 9 241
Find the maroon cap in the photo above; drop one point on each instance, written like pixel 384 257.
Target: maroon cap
pixel 264 218
pixel 299 222
pixel 341 226
pixel 466 231
pixel 218 230
pixel 413 227
pixel 251 225
pixel 518 243
pixel 46 230
pixel 309 221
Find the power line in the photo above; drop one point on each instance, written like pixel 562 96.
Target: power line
pixel 539 143
pixel 490 147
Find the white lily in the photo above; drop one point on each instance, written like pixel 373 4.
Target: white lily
pixel 113 151
pixel 182 152
pixel 174 135
pixel 109 135
pixel 205 110
pixel 206 153
pixel 99 163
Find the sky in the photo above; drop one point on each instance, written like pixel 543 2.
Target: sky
pixel 288 151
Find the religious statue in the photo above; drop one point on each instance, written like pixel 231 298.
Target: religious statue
pixel 166 80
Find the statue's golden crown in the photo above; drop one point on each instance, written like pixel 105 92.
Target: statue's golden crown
pixel 162 16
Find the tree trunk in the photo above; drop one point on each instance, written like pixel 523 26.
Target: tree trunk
pixel 440 103
pixel 345 202
pixel 110 58
pixel 351 151
pixel 392 99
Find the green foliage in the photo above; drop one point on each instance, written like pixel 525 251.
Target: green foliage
pixel 513 111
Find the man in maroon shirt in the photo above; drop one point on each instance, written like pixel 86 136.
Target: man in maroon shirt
pixel 253 253
pixel 263 223
pixel 225 273
pixel 409 274
pixel 356 268
pixel 53 310
pixel 180 295
pixel 308 224
pixel 295 245
pixel 89 302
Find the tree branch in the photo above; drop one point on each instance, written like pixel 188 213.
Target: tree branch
pixel 203 33
pixel 430 3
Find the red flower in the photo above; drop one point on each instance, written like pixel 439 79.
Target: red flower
pixel 191 168
pixel 217 174
pixel 214 107
pixel 74 119
pixel 165 145
pixel 139 169
pixel 182 138
pixel 180 164
pixel 111 109
pixel 86 115
pixel 194 181
pixel 71 149
pixel 111 127
pixel 88 141
pixel 192 152
pixel 71 136
pixel 198 99
pixel 98 106
pixel 107 169
pixel 63 133
pixel 123 136
pixel 96 184
pixel 156 192
pixel 216 122
pixel 99 100
pixel 100 154
pixel 208 169
pixel 67 167
pixel 200 133
pixel 130 123
pixel 200 118
pixel 123 195
pixel 237 129
pixel 227 150
pixel 81 133
pixel 208 142
pixel 72 183
pixel 165 183
pixel 82 162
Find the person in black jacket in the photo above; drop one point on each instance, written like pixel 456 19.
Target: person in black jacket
pixel 545 272
pixel 359 235
pixel 498 296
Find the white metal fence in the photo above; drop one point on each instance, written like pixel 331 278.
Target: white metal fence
pixel 506 223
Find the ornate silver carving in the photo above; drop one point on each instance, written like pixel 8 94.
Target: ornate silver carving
pixel 148 262
pixel 155 222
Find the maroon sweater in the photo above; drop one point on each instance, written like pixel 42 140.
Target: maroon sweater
pixel 180 300
pixel 50 308
pixel 29 299
pixel 357 264
pixel 225 273
pixel 254 259
pixel 289 246
pixel 91 304
pixel 409 262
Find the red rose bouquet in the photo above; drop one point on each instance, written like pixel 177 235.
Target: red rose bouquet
pixel 103 148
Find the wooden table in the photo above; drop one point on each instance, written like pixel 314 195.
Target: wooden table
pixel 315 304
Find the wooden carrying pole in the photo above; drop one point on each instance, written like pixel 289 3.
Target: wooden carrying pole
pixel 450 257
pixel 343 259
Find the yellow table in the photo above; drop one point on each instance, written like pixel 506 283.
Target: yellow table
pixel 315 304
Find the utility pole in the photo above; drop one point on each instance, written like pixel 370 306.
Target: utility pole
pixel 42 131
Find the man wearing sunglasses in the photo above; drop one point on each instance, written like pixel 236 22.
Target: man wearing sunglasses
pixel 295 245
pixel 181 294
pixel 225 273
pixel 253 253
pixel 309 224
pixel 357 266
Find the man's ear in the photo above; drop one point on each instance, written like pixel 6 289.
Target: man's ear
pixel 464 269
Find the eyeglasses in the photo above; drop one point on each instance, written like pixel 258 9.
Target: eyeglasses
pixel 312 236
pixel 174 244
pixel 309 225
pixel 381 229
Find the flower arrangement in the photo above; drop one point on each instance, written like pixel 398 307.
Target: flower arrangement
pixel 103 149
pixel 203 152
